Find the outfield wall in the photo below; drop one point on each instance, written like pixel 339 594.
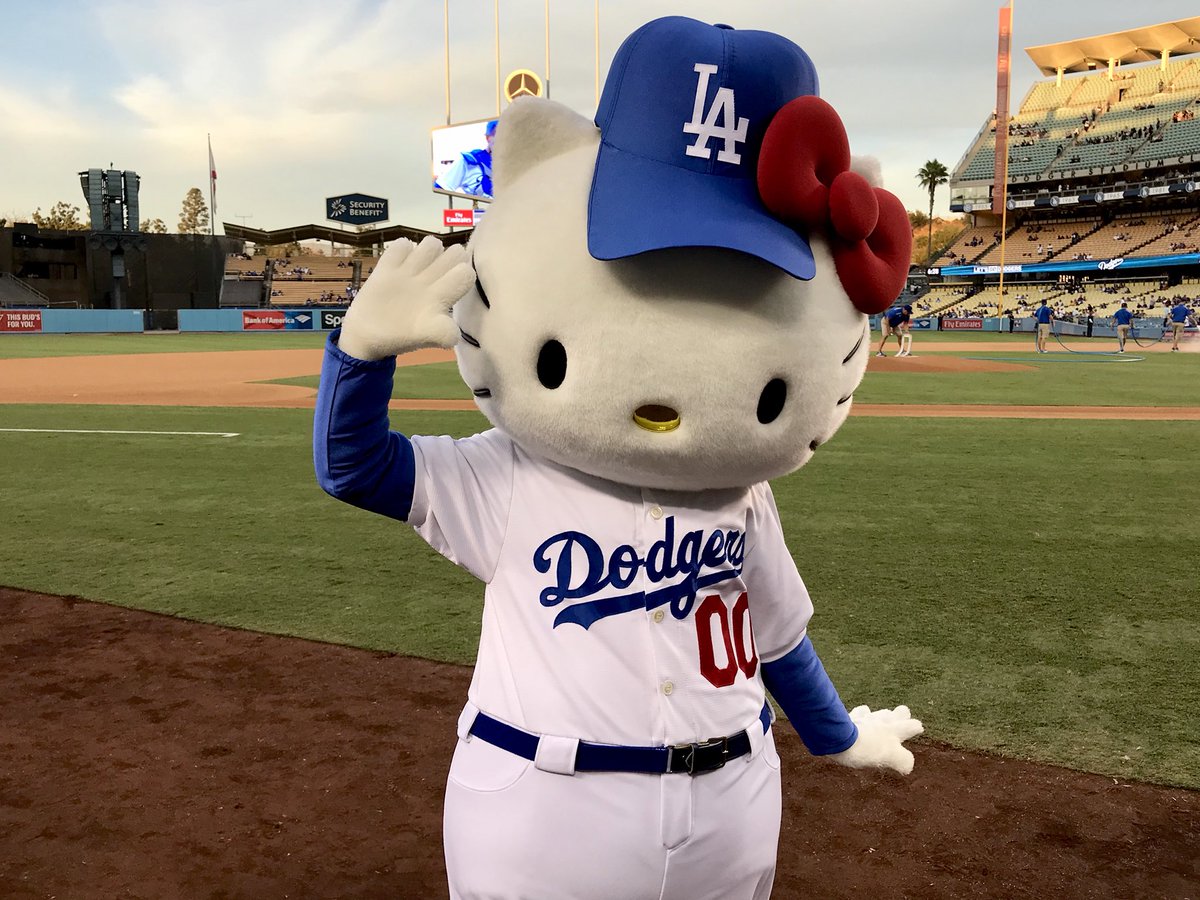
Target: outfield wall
pixel 67 321
pixel 260 319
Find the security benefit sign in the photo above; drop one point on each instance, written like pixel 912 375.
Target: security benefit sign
pixel 356 209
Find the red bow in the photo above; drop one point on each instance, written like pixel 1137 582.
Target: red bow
pixel 804 178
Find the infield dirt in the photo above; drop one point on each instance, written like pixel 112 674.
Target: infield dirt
pixel 235 378
pixel 150 757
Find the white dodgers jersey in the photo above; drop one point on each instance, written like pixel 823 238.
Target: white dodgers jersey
pixel 612 613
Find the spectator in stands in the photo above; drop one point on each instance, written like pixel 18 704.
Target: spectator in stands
pixel 1181 317
pixel 1044 316
pixel 894 321
pixel 1124 320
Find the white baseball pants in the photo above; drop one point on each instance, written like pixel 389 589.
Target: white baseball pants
pixel 515 832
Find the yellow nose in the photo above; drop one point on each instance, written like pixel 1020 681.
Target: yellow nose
pixel 653 417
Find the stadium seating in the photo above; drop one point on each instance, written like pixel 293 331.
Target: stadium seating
pixel 307 293
pixel 1039 241
pixel 1090 122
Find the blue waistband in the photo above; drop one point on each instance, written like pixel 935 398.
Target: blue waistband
pixel 693 759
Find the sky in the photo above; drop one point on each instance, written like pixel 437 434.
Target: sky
pixel 306 100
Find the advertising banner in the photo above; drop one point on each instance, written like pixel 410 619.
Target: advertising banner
pixel 356 209
pixel 331 319
pixel 298 319
pixel 922 324
pixel 962 324
pixel 457 218
pixel 263 320
pixel 20 320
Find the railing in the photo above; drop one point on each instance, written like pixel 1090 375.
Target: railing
pixel 30 296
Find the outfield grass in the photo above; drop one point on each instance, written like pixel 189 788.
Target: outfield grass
pixel 1056 379
pixel 433 381
pixel 1025 586
pixel 27 346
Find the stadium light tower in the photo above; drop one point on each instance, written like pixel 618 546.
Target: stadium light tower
pixel 112 199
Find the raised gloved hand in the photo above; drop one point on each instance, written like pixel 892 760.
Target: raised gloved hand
pixel 405 304
pixel 880 739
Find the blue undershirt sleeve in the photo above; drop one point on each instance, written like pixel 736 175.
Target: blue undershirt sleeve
pixel 356 457
pixel 801 687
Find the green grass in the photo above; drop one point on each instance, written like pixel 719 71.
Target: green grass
pixel 1028 587
pixel 27 346
pixel 1059 379
pixel 433 381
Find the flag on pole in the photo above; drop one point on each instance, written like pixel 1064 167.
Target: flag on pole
pixel 212 187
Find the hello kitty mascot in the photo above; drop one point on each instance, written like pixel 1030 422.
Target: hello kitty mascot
pixel 661 311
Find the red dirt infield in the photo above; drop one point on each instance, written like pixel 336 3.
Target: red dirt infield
pixel 234 378
pixel 151 757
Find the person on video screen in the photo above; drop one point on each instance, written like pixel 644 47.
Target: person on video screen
pixel 471 173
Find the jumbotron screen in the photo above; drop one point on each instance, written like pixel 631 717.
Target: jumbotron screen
pixel 462 159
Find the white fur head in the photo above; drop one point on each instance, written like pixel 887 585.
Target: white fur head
pixel 757 366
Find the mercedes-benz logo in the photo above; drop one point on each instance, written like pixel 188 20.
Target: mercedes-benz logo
pixel 522 83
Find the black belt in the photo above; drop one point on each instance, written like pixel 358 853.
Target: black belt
pixel 692 759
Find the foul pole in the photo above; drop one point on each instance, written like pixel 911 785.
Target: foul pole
pixel 1000 164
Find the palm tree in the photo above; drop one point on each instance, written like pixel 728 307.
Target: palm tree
pixel 930 176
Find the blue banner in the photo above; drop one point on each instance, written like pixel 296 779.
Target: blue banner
pixel 1080 265
pixel 356 209
pixel 298 319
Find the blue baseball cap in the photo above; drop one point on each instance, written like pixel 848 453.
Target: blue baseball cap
pixel 681 121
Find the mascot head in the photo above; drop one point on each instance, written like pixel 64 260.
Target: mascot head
pixel 675 295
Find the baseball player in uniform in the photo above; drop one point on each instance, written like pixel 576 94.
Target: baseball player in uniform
pixel 639 596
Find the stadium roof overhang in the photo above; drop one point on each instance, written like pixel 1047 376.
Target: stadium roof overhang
pixel 1179 38
pixel 353 238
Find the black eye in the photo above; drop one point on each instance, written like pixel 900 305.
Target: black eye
pixel 552 364
pixel 770 402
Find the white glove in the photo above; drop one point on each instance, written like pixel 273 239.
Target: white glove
pixel 405 304
pixel 880 737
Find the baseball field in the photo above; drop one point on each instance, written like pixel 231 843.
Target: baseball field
pixel 215 681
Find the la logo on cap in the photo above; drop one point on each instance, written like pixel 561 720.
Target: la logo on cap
pixel 706 128
pixel 682 118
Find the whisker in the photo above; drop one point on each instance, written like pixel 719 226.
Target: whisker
pixel 468 338
pixel 481 392
pixel 482 293
pixel 850 355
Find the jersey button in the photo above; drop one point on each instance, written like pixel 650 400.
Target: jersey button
pixel 668 688
pixel 656 512
pixel 658 615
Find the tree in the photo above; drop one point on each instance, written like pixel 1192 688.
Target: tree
pixel 193 217
pixel 930 176
pixel 917 219
pixel 152 226
pixel 62 217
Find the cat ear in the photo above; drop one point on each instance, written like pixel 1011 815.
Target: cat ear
pixel 533 130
